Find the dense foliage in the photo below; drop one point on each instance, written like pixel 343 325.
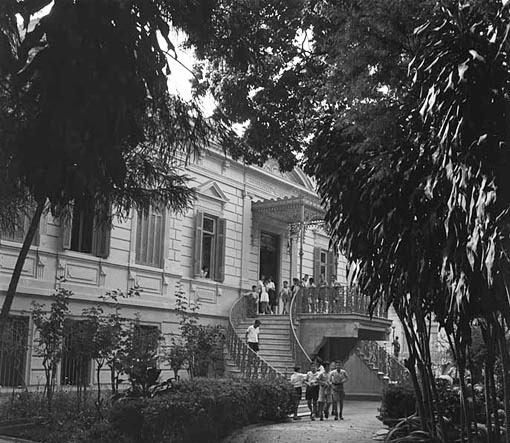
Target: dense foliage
pixel 200 410
pixel 198 347
pixel 86 118
pixel 404 108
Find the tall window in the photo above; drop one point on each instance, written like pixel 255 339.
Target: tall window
pixel 20 230
pixel 13 352
pixel 82 229
pixel 146 338
pixel 85 232
pixel 76 357
pixel 145 342
pixel 209 260
pixel 325 264
pixel 150 229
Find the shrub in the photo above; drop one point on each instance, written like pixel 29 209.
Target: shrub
pixel 69 415
pixel 398 401
pixel 198 410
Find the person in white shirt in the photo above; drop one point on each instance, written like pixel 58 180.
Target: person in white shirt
pixel 297 380
pixel 325 392
pixel 338 378
pixel 260 287
pixel 264 301
pixel 312 391
pixel 252 336
pixel 271 291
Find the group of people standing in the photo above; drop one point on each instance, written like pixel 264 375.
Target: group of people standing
pixel 265 299
pixel 324 385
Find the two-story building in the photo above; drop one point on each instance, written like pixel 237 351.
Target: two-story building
pixel 243 224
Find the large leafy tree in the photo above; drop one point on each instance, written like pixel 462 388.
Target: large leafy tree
pixel 85 113
pixel 410 159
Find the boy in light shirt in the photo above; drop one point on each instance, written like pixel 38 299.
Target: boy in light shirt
pixel 297 380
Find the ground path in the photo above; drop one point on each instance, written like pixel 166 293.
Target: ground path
pixel 359 426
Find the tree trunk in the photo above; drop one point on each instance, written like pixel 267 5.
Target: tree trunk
pixel 18 268
pixel 410 364
pixel 98 376
pixel 490 389
pixel 494 397
pixel 506 377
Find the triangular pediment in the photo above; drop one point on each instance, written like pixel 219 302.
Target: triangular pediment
pixel 212 190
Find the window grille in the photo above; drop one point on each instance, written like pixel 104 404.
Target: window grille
pixel 13 352
pixel 146 339
pixel 76 360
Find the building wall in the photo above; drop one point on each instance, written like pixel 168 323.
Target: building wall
pixel 226 189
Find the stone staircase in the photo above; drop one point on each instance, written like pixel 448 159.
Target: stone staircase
pixel 274 339
pixel 274 342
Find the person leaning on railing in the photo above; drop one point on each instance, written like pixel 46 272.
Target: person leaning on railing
pixel 252 298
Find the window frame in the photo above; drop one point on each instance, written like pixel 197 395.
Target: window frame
pixel 329 265
pixel 22 370
pixel 16 238
pixel 100 235
pixel 217 265
pixel 143 220
pixel 86 363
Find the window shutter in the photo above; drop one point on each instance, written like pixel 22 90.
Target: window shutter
pixel 197 258
pixel 316 265
pixel 65 232
pixel 36 239
pixel 219 274
pixel 331 266
pixel 102 240
pixel 101 232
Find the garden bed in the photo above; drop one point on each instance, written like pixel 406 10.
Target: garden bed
pixel 195 411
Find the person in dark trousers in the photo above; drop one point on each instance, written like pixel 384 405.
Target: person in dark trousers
pixel 252 301
pixel 297 380
pixel 312 391
pixel 338 378
pixel 252 335
pixel 396 347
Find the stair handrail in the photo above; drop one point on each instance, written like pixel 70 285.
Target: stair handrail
pixel 381 359
pixel 301 357
pixel 251 364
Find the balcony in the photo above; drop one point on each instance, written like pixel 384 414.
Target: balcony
pixel 331 320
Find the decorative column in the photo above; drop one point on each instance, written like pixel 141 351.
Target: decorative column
pixel 247 241
pixel 302 228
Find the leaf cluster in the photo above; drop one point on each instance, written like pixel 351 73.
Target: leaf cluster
pixel 85 113
pixel 197 346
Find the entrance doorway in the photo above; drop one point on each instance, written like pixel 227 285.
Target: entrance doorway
pixel 270 257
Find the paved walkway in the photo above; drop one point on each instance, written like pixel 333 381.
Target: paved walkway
pixel 4 439
pixel 359 426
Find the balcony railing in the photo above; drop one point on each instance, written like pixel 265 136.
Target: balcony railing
pixel 249 362
pixel 335 300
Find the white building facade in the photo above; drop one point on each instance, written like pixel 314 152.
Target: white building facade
pixel 243 224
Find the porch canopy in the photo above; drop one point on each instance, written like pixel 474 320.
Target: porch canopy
pixel 290 210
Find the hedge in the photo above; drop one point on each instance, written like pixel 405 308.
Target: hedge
pixel 195 411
